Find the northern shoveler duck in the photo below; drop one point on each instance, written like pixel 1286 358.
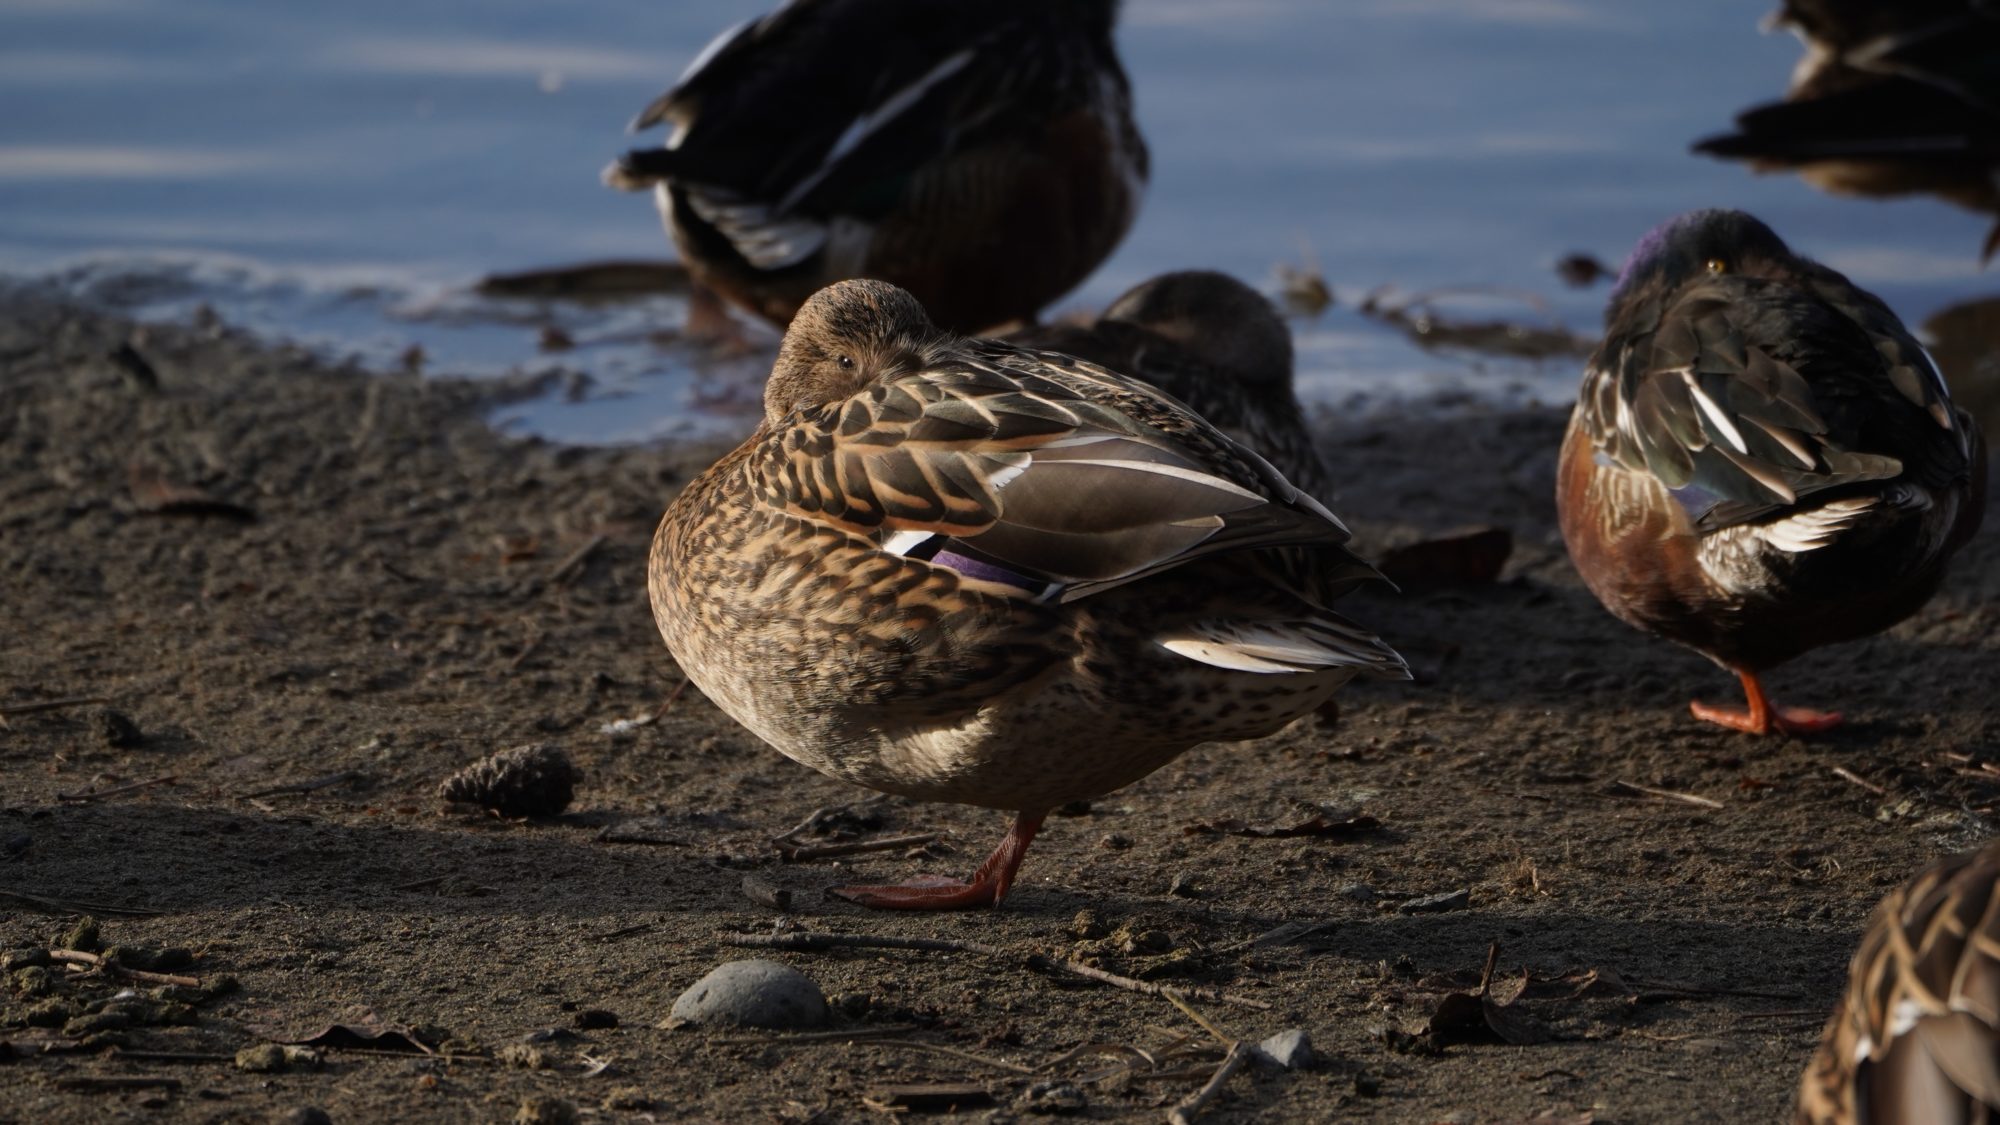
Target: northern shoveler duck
pixel 1915 1040
pixel 959 570
pixel 982 156
pixel 1218 346
pixel 1761 459
pixel 1889 99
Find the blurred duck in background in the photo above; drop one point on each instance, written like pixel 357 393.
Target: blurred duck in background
pixel 981 156
pixel 1915 1039
pixel 1761 460
pixel 1215 344
pixel 1890 99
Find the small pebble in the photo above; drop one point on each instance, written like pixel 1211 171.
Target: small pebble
pixel 118 730
pixel 1114 841
pixel 261 1058
pixel 1357 892
pixel 17 846
pixel 306 1115
pixel 1182 886
pixel 1290 1049
pixel 1366 1084
pixel 592 1019
pixel 1052 1097
pixel 753 993
pixel 524 1057
pixel 1438 904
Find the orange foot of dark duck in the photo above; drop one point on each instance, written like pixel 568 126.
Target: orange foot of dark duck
pixel 1762 717
pixel 1762 459
pixel 988 887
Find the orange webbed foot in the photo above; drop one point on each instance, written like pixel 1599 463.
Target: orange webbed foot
pixel 1761 717
pixel 988 887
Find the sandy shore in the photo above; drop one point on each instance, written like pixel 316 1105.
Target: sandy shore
pixel 356 587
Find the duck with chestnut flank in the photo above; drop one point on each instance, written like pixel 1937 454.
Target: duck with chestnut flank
pixel 1915 1039
pixel 1217 345
pixel 1761 460
pixel 982 156
pixel 960 570
pixel 1889 99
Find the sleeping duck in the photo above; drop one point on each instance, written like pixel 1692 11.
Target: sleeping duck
pixel 1215 344
pixel 1761 460
pixel 960 570
pixel 982 156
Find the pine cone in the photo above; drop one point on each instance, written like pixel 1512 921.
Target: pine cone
pixel 524 781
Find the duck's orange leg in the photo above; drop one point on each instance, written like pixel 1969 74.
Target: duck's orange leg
pixel 1760 717
pixel 989 884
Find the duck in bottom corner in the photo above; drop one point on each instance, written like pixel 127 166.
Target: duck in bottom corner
pixel 961 570
pixel 1762 460
pixel 1915 1038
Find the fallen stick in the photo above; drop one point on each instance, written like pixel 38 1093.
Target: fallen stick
pixel 1668 795
pixel 59 906
pixel 943 1049
pixel 116 790
pixel 79 957
pixel 816 1036
pixel 296 787
pixel 108 1082
pixel 577 558
pixel 1143 987
pixel 1845 774
pixel 792 853
pixel 1185 1111
pixel 1675 987
pixel 50 705
pixel 814 943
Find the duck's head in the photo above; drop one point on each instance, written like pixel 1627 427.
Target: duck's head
pixel 847 336
pixel 1703 244
pixel 1224 322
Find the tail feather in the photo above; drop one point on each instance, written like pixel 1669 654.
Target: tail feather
pixel 640 169
pixel 1313 645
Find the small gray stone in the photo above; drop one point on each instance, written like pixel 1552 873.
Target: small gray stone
pixel 1290 1049
pixel 751 994
pixel 1052 1097
pixel 1438 904
pixel 1357 892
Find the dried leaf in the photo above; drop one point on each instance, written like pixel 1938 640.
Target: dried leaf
pixel 368 1035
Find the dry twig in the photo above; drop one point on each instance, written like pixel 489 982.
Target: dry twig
pixel 296 787
pixel 60 906
pixel 1667 795
pixel 1845 774
pixel 79 957
pixel 1188 1107
pixel 577 558
pixel 50 705
pixel 116 790
pixel 792 853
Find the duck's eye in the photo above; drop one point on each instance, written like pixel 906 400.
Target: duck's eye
pixel 1718 265
pixel 846 362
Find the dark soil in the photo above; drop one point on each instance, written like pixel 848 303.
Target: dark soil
pixel 312 595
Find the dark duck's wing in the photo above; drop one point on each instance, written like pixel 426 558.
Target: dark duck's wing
pixel 1757 402
pixel 799 139
pixel 1916 1037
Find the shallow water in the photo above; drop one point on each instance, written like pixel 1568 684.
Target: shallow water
pixel 340 174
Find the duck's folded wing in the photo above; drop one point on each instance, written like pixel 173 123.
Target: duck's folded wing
pixel 777 113
pixel 1024 475
pixel 1714 403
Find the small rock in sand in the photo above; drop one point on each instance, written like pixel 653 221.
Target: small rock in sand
pixel 1290 1049
pixel 751 994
